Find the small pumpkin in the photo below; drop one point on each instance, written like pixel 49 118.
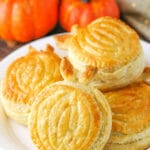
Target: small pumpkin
pixel 25 20
pixel 83 12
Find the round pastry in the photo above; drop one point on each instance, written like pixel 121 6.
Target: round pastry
pixel 24 78
pixel 106 54
pixel 130 117
pixel 70 116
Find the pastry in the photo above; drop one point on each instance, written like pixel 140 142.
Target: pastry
pixel 24 78
pixel 106 54
pixel 70 116
pixel 130 117
pixel 145 76
pixel 61 40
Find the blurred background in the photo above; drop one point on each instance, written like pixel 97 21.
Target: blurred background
pixel 25 21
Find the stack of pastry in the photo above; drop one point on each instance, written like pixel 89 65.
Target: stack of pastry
pixel 103 102
pixel 107 54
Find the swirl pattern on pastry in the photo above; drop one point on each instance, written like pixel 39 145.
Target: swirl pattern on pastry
pixel 109 46
pixel 106 44
pixel 25 77
pixel 130 117
pixel 69 118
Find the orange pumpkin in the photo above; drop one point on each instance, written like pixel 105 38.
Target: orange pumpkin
pixel 83 12
pixel 25 20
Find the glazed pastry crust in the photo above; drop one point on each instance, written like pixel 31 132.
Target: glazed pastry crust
pixel 70 116
pixel 130 117
pixel 24 78
pixel 108 46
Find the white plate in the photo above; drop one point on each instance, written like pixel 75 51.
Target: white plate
pixel 14 136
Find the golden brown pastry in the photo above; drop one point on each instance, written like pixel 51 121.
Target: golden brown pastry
pixel 69 116
pixel 106 54
pixel 24 78
pixel 130 117
pixel 61 40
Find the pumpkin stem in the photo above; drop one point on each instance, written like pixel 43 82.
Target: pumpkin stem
pixel 85 1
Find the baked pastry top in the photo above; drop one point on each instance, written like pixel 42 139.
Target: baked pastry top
pixel 110 48
pixel 25 77
pixel 107 44
pixel 130 117
pixel 70 116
